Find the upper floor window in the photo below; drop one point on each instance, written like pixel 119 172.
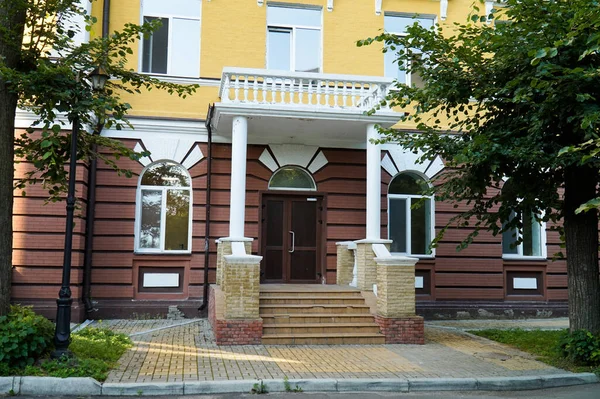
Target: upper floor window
pixel 396 24
pixel 532 238
pixel 164 209
pixel 410 215
pixel 294 38
pixel 292 178
pixel 173 49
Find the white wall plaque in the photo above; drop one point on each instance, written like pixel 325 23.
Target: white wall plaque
pixel 162 280
pixel 418 281
pixel 525 283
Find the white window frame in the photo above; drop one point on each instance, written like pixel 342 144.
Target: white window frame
pixel 408 76
pixel 407 198
pixel 163 212
pixel 170 17
pixel 293 28
pixel 519 247
pixel 292 188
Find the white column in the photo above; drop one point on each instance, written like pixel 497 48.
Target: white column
pixel 373 184
pixel 239 141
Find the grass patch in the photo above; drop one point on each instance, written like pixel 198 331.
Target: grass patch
pixel 96 350
pixel 544 345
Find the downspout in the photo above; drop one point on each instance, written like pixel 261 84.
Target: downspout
pixel 209 116
pixel 90 214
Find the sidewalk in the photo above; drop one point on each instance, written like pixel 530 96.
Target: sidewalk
pixel 188 352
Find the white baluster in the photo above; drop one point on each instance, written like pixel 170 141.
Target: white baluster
pixel 246 88
pixel 310 92
pixel 273 88
pixel 236 89
pixel 226 97
pixel 327 90
pixel 319 82
pixel 353 91
pixel 345 95
pixel 264 90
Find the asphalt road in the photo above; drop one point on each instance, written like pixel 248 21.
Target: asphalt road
pixel 590 391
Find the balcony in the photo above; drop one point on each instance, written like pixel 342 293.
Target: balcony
pixel 285 106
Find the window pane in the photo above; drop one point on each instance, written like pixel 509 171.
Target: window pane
pixel 156 47
pixel 279 51
pixel 150 219
pixel 531 236
pixel 185 50
pixel 177 220
pixel 189 8
pixel 398 24
pixel 292 177
pixel 308 47
pixel 397 224
pixel 293 16
pixel 509 239
pixel 391 68
pixel 165 174
pixel 408 183
pixel 420 229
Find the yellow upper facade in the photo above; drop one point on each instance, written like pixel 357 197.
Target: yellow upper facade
pixel 238 33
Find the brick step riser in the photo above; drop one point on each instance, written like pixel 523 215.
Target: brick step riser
pixel 309 310
pixel 332 331
pixel 316 319
pixel 312 301
pixel 323 341
pixel 309 294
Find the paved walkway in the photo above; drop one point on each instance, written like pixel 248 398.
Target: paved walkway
pixel 171 351
pixel 558 323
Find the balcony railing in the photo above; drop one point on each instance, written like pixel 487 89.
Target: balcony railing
pixel 294 89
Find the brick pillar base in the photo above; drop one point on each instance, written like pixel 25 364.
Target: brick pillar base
pixel 403 330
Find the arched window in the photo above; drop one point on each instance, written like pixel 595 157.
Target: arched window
pixel 292 178
pixel 164 209
pixel 532 236
pixel 410 215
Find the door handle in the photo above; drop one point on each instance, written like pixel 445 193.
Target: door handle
pixel 293 242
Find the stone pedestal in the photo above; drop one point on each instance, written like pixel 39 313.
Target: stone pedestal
pixel 224 248
pixel 344 262
pixel 396 301
pixel 366 265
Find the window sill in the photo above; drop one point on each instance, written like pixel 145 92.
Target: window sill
pixel 413 256
pixel 139 255
pixel 524 258
pixel 184 80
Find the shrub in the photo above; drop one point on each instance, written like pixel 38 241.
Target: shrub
pixel 24 337
pixel 99 343
pixel 581 347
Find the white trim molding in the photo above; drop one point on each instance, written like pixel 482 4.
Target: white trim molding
pixel 398 159
pixel 329 5
pixel 260 3
pixel 308 157
pixel 378 7
pixel 443 9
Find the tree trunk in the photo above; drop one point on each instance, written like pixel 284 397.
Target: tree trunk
pixel 12 19
pixel 581 235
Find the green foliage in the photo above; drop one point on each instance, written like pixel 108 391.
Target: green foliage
pixel 99 343
pixel 511 97
pixel 288 386
pixel 55 86
pixel 582 347
pixel 545 345
pixel 24 337
pixel 259 388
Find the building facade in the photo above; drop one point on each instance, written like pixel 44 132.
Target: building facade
pixel 274 151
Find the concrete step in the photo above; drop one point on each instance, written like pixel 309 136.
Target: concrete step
pixel 312 299
pixel 281 318
pixel 324 339
pixel 313 308
pixel 265 293
pixel 320 328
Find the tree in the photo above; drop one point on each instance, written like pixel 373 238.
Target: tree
pixel 514 94
pixel 44 71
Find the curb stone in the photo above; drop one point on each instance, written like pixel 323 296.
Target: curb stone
pixel 53 386
pixel 565 380
pixel 6 385
pixel 509 383
pixel 205 387
pixel 146 389
pixel 371 385
pixel 442 384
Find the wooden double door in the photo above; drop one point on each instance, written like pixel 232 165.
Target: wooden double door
pixel 291 238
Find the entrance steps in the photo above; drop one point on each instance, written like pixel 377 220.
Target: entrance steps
pixel 316 315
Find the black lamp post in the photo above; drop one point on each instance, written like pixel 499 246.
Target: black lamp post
pixel 62 334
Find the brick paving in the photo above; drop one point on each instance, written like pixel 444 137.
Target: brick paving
pixel 189 353
pixel 557 323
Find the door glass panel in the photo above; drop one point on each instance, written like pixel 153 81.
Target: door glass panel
pixel 303 265
pixel 177 220
pixel 279 52
pixel 156 48
pixel 420 227
pixel 304 223
pixel 273 264
pixel 397 224
pixel 150 220
pixel 308 47
pixel 275 223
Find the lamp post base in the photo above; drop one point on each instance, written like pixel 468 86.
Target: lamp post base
pixel 62 335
